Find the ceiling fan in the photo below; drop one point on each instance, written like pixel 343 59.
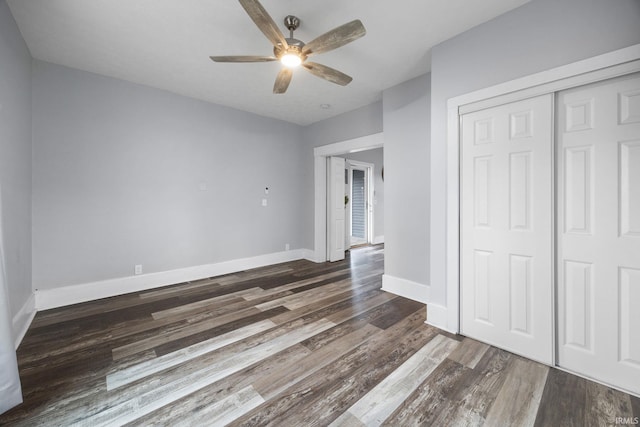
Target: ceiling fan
pixel 292 52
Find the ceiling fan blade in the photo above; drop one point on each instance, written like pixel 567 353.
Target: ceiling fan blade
pixel 264 22
pixel 335 38
pixel 328 73
pixel 245 58
pixel 283 80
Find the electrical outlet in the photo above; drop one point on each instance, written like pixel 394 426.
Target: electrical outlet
pixel 264 202
pixel 286 247
pixel 138 269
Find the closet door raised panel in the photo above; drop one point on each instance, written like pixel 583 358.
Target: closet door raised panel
pixel 599 231
pixel 506 227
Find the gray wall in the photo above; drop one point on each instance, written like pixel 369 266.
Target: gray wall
pixel 376 157
pixel 118 167
pixel 15 158
pixel 404 114
pixel 126 174
pixel 540 35
pixel 354 124
pixel 406 174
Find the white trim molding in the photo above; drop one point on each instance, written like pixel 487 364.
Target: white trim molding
pixel 310 255
pixel 598 68
pixel 23 318
pixel 355 145
pixel 438 316
pixel 378 240
pixel 74 294
pixel 406 288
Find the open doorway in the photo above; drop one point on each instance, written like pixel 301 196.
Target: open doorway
pixel 322 226
pixel 360 189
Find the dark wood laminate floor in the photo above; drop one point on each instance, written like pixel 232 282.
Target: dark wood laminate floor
pixel 289 345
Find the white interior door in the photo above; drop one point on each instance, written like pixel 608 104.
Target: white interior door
pixel 336 208
pixel 507 227
pixel 599 231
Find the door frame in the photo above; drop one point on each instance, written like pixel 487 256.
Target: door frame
pixel 602 67
pixel 368 169
pixel 320 154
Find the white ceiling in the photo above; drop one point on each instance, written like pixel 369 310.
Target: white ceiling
pixel 167 43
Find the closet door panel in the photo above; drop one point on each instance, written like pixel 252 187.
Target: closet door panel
pixel 506 227
pixel 598 240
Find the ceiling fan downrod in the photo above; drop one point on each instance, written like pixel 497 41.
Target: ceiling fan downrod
pixel 292 23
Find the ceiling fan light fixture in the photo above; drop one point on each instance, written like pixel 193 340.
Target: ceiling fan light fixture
pixel 291 60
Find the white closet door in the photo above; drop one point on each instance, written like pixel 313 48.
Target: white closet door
pixel 599 231
pixel 506 227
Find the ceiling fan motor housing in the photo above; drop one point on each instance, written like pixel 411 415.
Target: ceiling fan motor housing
pixel 295 46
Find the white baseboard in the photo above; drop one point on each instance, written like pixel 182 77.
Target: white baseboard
pixel 310 255
pixel 438 315
pixel 67 295
pixel 406 288
pixel 377 240
pixel 22 320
